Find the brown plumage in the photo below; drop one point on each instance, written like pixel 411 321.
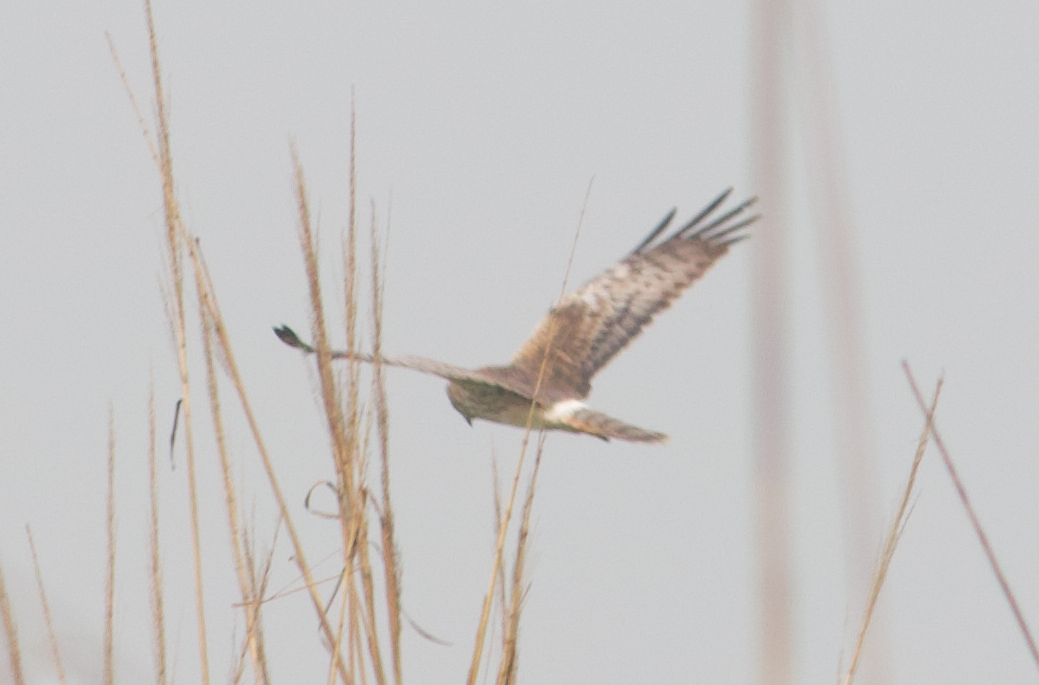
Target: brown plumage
pixel 581 334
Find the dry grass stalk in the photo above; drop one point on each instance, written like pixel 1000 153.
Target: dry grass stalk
pixel 52 636
pixel 496 566
pixel 299 554
pixel 157 605
pixel 258 571
pixel 481 630
pixel 359 614
pixel 368 586
pixel 243 570
pixel 510 640
pixel 975 522
pixel 337 647
pixel 178 237
pixel 502 601
pixel 261 581
pixel 178 324
pixel 390 563
pixel 350 451
pixel 344 441
pixel 503 527
pixel 349 457
pixel 11 632
pixel 109 654
pixel 219 330
pixel 891 542
pixel 141 122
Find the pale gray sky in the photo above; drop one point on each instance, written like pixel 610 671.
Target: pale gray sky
pixel 484 123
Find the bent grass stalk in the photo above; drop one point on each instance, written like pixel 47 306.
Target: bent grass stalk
pixel 894 534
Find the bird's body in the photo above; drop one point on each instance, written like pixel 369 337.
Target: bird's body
pixel 545 382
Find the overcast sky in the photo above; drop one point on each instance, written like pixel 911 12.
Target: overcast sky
pixel 479 126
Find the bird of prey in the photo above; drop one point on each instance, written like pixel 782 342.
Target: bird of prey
pixel 545 383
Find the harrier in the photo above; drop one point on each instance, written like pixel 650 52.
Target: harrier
pixel 545 382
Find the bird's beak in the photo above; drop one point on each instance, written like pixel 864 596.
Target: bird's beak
pixel 469 421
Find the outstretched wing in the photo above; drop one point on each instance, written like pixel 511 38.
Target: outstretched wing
pixel 431 366
pixel 591 325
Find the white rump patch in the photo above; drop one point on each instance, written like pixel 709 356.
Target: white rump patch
pixel 565 409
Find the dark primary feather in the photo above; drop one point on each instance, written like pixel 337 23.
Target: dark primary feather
pixel 592 324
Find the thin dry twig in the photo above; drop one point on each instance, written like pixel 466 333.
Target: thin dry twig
pixel 109 654
pixel 893 537
pixel 148 138
pixel 510 660
pixel 246 588
pixel 52 636
pixel 481 630
pixel 975 522
pixel 11 631
pixel 157 604
pixel 502 601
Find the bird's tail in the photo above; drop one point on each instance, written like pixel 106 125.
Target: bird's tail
pixel 595 423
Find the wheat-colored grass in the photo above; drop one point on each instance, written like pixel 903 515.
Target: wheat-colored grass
pixel 178 324
pixel 179 240
pixel 250 600
pixel 509 665
pixel 387 527
pixel 359 634
pixel 158 608
pixel 894 534
pixel 14 651
pixel 52 636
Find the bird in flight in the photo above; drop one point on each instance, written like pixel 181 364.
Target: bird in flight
pixel 548 378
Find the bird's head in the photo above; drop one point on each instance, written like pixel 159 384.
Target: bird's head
pixel 461 401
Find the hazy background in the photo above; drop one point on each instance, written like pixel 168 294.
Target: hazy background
pixel 481 126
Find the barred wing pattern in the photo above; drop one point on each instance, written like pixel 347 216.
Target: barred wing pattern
pixel 542 386
pixel 594 323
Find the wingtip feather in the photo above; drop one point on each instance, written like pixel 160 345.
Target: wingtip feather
pixel 289 337
pixel 664 223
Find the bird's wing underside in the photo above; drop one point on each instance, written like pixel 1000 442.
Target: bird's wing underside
pixel 430 366
pixel 592 324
